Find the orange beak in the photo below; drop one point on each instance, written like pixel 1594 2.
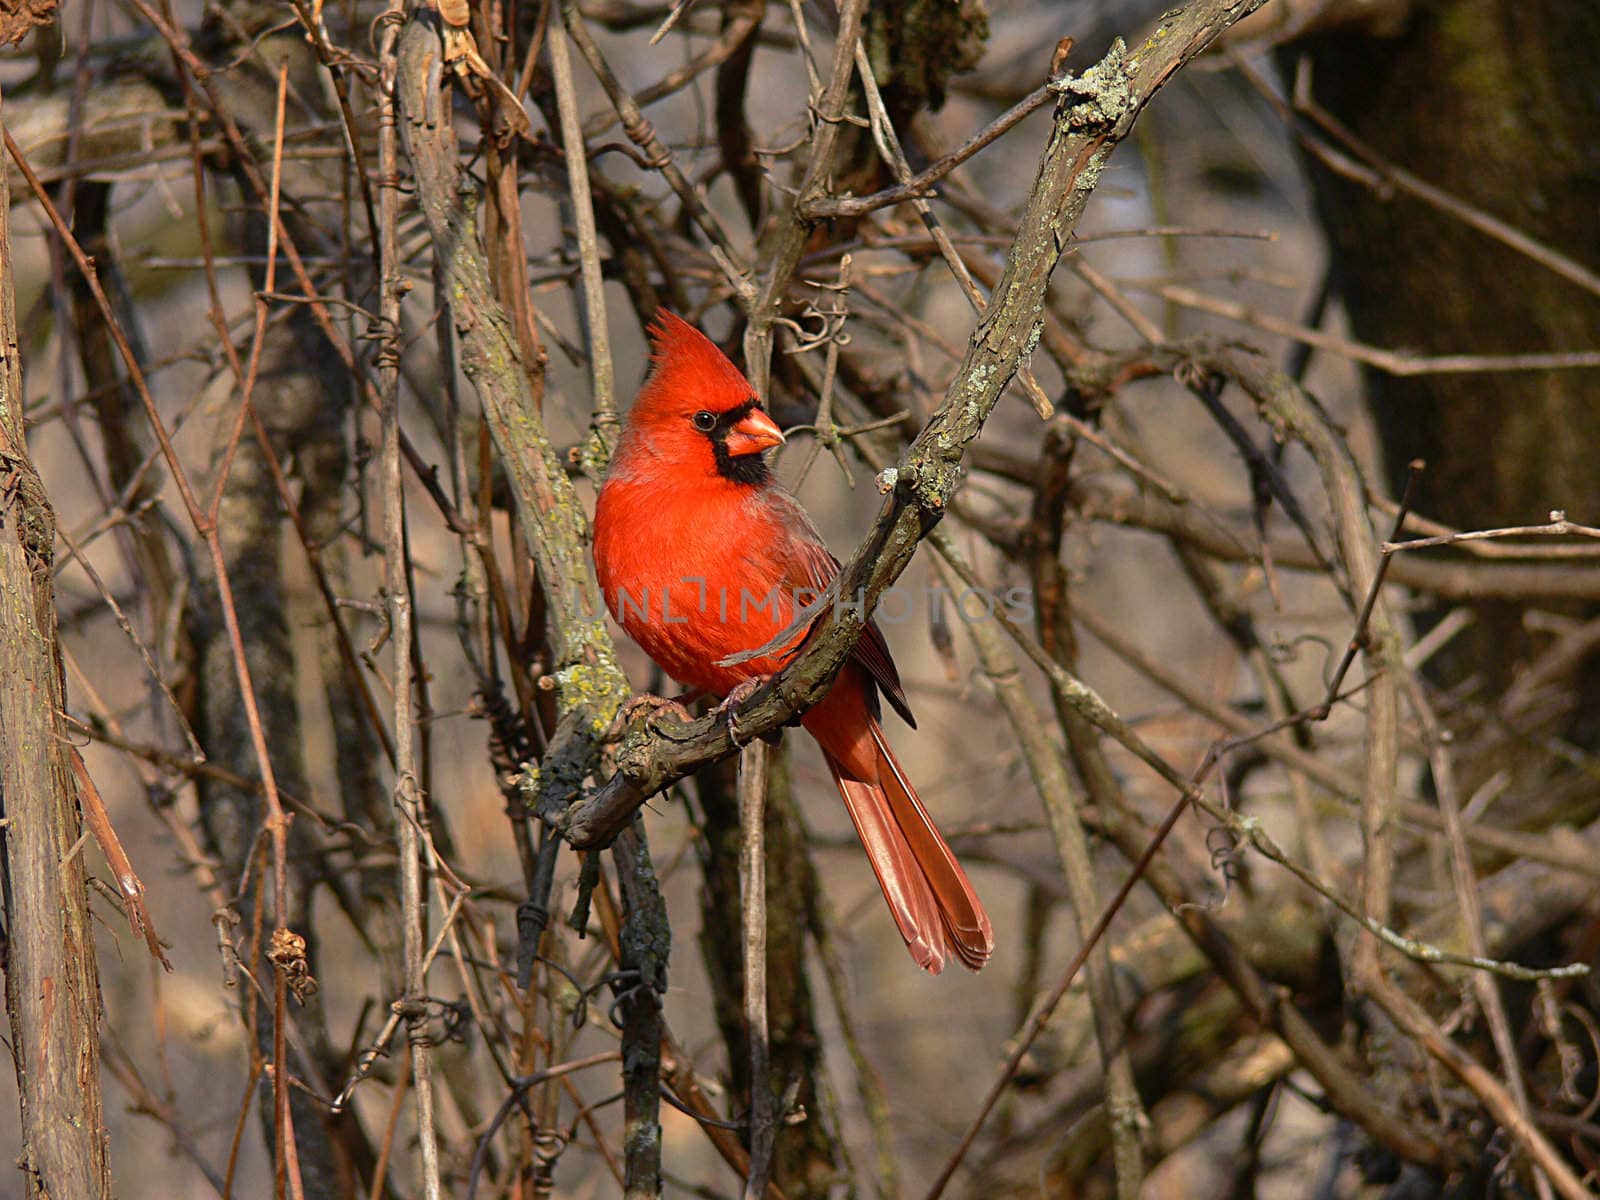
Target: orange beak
pixel 752 434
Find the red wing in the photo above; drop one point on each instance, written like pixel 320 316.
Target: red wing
pixel 819 567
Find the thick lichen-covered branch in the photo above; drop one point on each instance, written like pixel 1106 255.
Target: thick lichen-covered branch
pixel 1094 112
pixel 548 510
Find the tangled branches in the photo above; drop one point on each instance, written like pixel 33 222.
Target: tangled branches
pixel 329 320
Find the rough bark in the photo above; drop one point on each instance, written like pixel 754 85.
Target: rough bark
pixel 1492 101
pixel 52 985
pixel 646 942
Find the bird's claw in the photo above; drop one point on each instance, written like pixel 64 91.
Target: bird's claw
pixel 654 706
pixel 740 693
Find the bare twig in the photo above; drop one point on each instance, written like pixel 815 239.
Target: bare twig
pixel 658 156
pixel 408 800
pixel 753 901
pixel 1232 542
pixel 1124 1112
pixel 791 241
pixel 1046 1007
pixel 1337 782
pixel 204 523
pixel 920 186
pixel 889 147
pixel 1381 176
pixel 644 943
pixel 594 295
pixel 1393 362
pixel 1412 1018
pixel 1466 890
pixel 1558 526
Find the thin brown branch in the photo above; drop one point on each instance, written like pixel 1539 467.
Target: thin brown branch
pixel 920 185
pixel 1463 878
pixel 1414 1020
pixel 277 820
pixel 894 156
pixel 791 240
pixel 1373 171
pixel 1124 1112
pixel 728 42
pixel 1230 541
pixel 657 155
pixel 1393 362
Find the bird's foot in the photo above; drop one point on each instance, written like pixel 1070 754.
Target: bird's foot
pixel 740 693
pixel 653 706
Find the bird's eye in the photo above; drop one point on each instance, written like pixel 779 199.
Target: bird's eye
pixel 704 421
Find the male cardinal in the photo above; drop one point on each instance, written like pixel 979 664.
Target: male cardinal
pixel 700 554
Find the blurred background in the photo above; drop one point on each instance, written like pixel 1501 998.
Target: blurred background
pixel 1387 205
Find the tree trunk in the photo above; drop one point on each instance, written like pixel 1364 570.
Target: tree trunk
pixel 1492 101
pixel 52 985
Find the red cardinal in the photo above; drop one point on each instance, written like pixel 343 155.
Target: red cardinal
pixel 692 539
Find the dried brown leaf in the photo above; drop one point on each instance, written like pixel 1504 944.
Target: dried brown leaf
pixel 129 886
pixel 18 18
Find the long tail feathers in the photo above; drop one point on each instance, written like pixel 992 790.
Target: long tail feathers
pixel 933 904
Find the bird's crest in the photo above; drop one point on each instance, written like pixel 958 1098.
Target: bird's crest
pixel 688 364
